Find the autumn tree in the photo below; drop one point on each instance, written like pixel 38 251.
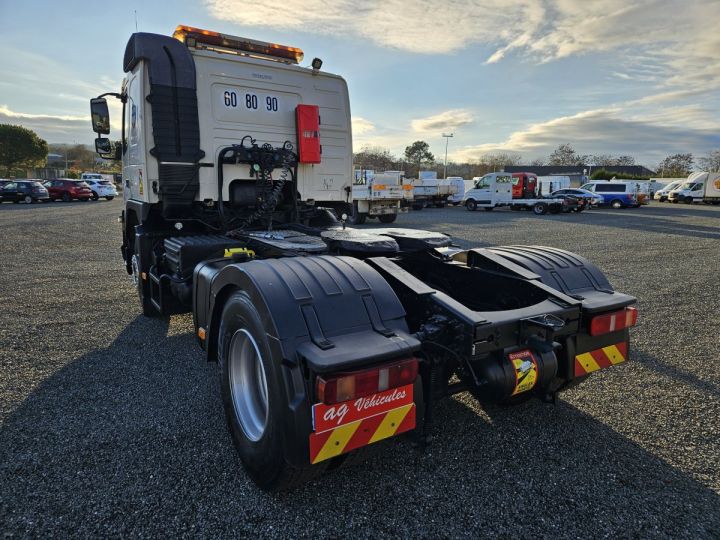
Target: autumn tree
pixel 374 158
pixel 711 162
pixel 676 165
pixel 565 154
pixel 21 147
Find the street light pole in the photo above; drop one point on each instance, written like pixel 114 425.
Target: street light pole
pixel 447 139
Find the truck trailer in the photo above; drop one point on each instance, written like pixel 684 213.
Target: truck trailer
pixel 378 195
pixel 237 169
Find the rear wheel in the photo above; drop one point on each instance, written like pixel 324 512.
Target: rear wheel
pixel 253 396
pixel 616 204
pixel 440 205
pixel 28 199
pixel 95 196
pixel 471 205
pixel 109 198
pixel 489 208
pixel 66 197
pixel 356 217
pixel 540 209
pixel 387 218
pixel 417 206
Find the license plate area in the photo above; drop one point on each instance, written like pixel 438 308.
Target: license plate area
pixel 346 426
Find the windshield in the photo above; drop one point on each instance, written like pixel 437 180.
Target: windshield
pixel 691 186
pixel 483 183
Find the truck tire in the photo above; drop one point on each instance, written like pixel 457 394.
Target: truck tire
pixel 540 209
pixel 440 205
pixel 253 396
pixel 616 204
pixel 418 206
pixel 688 200
pixel 356 217
pixel 489 208
pixel 110 198
pixel 387 218
pixel 471 205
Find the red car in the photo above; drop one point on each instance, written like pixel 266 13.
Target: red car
pixel 67 190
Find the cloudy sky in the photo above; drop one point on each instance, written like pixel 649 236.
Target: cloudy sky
pixel 609 76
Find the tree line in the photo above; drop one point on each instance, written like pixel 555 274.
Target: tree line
pixel 21 148
pixel 417 156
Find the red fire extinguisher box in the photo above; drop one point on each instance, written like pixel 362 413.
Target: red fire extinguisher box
pixel 307 118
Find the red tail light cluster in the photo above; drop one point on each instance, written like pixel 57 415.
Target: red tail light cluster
pixel 614 321
pixel 347 386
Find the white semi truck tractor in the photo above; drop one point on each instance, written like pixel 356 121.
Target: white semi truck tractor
pixel 236 164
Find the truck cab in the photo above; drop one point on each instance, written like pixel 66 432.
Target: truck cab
pixel 524 185
pixel 489 191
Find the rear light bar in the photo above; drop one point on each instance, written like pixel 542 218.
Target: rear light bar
pixel 612 322
pixel 191 36
pixel 347 386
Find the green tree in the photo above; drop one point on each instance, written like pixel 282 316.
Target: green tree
pixel 676 165
pixel 565 154
pixel 418 153
pixel 21 147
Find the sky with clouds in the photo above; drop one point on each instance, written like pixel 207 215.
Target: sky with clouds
pixel 608 76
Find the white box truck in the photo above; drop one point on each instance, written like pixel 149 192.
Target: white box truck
pixel 699 187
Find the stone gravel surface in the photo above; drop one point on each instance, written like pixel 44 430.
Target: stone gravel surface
pixel 111 424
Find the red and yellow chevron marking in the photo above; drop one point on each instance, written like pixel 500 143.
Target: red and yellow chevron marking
pixel 600 358
pixel 350 436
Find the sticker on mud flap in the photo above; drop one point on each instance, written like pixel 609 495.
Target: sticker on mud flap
pixel 526 371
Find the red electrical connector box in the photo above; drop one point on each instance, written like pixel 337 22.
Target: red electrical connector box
pixel 307 118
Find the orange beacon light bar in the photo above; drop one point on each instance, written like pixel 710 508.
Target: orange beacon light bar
pixel 191 36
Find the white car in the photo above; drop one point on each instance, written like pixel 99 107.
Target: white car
pixel 101 188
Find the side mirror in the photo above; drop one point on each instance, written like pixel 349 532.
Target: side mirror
pixel 106 149
pixel 100 117
pixel 103 146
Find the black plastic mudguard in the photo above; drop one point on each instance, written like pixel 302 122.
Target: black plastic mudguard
pixel 320 313
pixel 336 313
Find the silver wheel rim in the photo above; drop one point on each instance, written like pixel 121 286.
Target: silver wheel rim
pixel 135 270
pixel 248 385
pixel 28 199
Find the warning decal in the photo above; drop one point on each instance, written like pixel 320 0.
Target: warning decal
pixel 526 370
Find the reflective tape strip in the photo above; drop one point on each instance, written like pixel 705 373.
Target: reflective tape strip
pixel 350 436
pixel 600 358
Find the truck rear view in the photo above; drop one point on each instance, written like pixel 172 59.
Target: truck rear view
pixel 236 165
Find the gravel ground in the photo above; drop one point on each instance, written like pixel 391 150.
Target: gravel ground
pixel 111 424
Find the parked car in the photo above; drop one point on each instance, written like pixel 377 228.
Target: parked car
pixel 590 198
pixel 68 189
pixel 616 194
pixel 28 191
pixel 570 203
pixel 101 188
pixel 661 195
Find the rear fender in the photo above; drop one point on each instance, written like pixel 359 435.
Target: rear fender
pixel 321 315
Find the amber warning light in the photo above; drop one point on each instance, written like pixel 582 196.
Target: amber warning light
pixel 193 36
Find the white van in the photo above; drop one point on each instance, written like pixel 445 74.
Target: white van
pixel 661 195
